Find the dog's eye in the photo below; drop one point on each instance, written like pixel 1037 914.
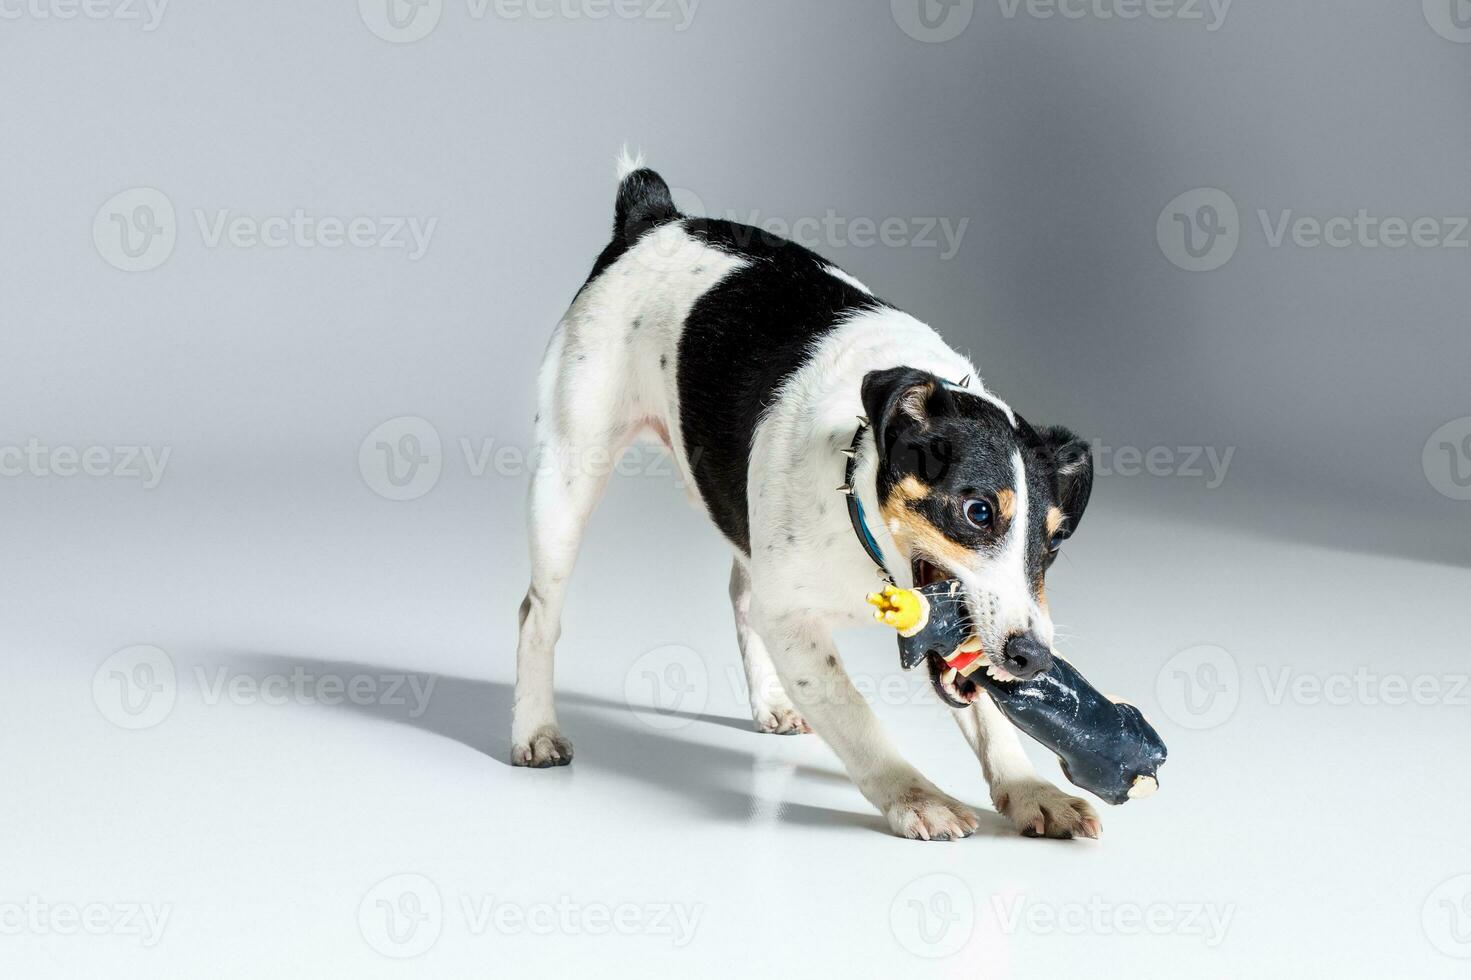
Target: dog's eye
pixel 979 513
pixel 1055 545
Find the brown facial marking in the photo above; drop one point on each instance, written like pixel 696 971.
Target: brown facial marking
pixel 1054 521
pixel 913 532
pixel 1006 505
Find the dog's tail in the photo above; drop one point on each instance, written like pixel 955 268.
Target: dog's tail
pixel 644 200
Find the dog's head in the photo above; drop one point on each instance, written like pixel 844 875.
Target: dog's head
pixel 969 495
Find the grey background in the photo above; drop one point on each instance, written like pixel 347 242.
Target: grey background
pixel 267 547
pixel 1060 140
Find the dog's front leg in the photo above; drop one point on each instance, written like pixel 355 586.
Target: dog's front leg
pixel 807 661
pixel 1034 806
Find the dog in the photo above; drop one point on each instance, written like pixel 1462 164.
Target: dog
pixel 772 376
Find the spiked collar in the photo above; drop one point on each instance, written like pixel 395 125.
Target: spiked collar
pixel 856 517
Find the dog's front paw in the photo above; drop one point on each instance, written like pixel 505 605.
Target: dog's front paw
pixel 778 719
pixel 546 747
pixel 927 814
pixel 1039 809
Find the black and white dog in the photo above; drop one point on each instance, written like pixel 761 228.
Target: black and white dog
pixel 755 361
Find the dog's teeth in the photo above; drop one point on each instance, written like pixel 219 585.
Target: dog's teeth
pixel 997 674
pixel 949 676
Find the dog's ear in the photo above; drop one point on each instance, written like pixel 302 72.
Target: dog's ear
pixel 1071 460
pixel 902 399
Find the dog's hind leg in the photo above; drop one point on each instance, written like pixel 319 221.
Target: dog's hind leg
pixel 771 708
pixel 578 433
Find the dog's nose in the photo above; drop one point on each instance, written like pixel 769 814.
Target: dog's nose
pixel 1026 657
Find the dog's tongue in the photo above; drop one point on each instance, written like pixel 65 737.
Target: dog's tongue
pixel 962 659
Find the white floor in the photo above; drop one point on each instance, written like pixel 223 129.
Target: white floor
pixel 1301 830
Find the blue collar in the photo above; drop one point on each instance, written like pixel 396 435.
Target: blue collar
pixel 855 506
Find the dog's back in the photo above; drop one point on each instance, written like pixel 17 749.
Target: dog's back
pixel 701 321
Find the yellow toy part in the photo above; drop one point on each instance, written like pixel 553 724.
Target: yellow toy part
pixel 896 607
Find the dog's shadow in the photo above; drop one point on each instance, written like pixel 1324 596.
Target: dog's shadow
pixel 725 783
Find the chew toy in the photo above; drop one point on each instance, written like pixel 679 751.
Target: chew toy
pixel 1105 747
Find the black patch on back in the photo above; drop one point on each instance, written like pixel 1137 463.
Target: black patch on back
pixel 742 340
